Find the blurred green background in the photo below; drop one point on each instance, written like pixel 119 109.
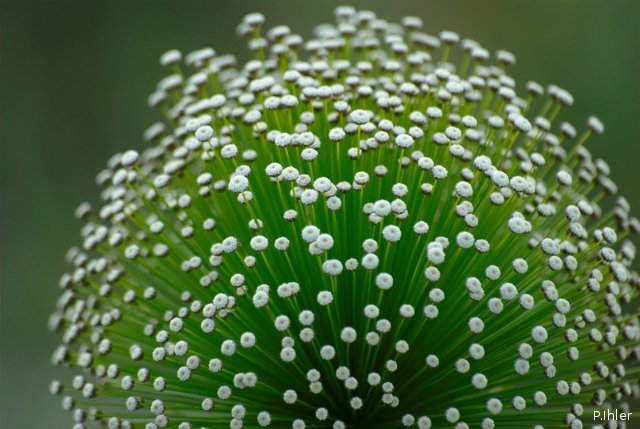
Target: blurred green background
pixel 75 75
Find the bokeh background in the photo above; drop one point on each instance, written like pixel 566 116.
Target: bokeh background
pixel 75 75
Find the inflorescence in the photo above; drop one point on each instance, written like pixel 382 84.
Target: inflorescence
pixel 369 229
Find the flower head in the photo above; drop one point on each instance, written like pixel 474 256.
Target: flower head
pixel 353 231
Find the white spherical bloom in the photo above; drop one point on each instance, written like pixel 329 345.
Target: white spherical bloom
pixel 259 243
pixel 229 151
pixel 282 323
pixel 371 311
pixel 519 225
pixel 251 117
pixel 424 422
pixel 327 352
pixel 500 178
pixel 369 245
pixel 356 403
pixel 351 264
pixel 540 398
pixel 436 295
pixel 463 189
pixel 237 280
pixel 383 326
pixel 430 311
pixel 360 117
pixel 370 261
pixel 520 266
pixel 476 325
pixel 290 396
pixel 334 203
pixel 337 134
pixel 391 365
pixel 332 267
pixel 204 133
pixel 400 190
pixel 508 291
pixel 229 244
pixel 287 354
pixel 264 418
pixel 313 375
pixel 306 317
pixel 525 351
pixel 260 299
pixel 479 381
pixel 425 163
pixel 384 281
pixel 309 154
pixel 322 184
pixel 408 420
pixel 373 378
pixel 382 208
pixel 248 340
pixel 432 361
pixel 273 170
pixel 289 174
pixel 435 254
pixel 307 335
pixel 217 101
pixel 564 178
pixel 563 306
pixel 465 240
pixel 348 335
pixel 228 347
pixel 421 227
pixel 325 298
pixel 407 311
pixel 494 406
pixel 404 141
pixel 398 206
pixel 519 403
pixel 452 415
pixel 322 414
pixel 310 233
pixel 492 272
pixel 595 125
pixel 309 196
pixel 361 178
pixel 539 334
pixel 129 158
pixel 324 241
pixel 521 366
pixel 453 133
pixel 522 124
pixel 476 351
pixel 281 243
pixel 286 290
pixel 391 233
pixel 176 324
pixel 238 183
pixel 432 274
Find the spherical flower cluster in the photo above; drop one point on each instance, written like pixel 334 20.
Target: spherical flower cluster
pixel 354 231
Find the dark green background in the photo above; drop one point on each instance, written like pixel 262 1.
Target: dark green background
pixel 74 80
